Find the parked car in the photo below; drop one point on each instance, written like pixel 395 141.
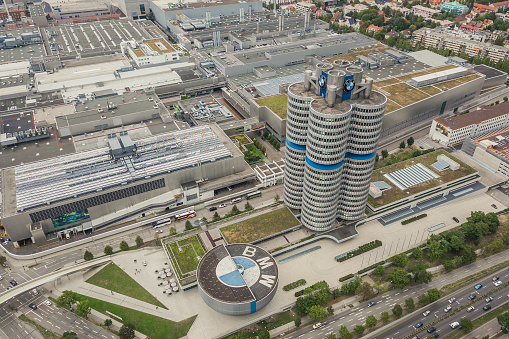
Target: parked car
pixel 222 206
pixel 159 231
pixel 487 307
pixel 47 302
pixel 495 278
pixel 431 329
pixel 472 297
pixel 212 209
pixel 418 325
pixel 13 282
pixel 436 335
pixel 489 299
pixel 32 306
pixel 144 263
pixel 317 325
pixel 497 283
pixel 470 309
pixel 421 147
pixel 494 206
pixel 426 313
pixel 452 300
pixel 371 303
pixel 455 219
pixel 478 286
pixel 448 308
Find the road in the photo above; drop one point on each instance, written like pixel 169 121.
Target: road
pixel 443 328
pixel 490 328
pixel 357 315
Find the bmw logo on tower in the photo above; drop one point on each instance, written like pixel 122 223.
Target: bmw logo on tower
pixel 349 85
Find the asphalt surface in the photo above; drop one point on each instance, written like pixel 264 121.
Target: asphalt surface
pixel 490 328
pixel 351 317
pixel 458 311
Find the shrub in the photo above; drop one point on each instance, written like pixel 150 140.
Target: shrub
pixel 108 250
pixel 362 249
pixel 374 266
pixel 294 284
pixel 88 256
pixel 417 217
pixel 124 246
pixel 346 277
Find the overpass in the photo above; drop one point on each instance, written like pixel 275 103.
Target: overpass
pixel 30 285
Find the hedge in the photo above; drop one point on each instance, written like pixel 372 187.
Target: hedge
pixel 371 267
pixel 417 217
pixel 346 277
pixel 294 284
pixel 318 286
pixel 362 249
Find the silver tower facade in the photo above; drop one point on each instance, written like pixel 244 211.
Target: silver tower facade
pixel 334 121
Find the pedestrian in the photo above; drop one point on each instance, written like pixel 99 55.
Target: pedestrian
pixel 156 308
pixel 111 292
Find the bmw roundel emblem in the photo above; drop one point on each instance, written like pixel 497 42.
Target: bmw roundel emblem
pixel 349 85
pixel 322 81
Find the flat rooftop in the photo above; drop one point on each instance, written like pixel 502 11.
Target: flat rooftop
pixel 489 72
pixel 164 4
pixel 91 37
pixel 70 176
pixel 23 52
pixel 475 117
pixel 498 143
pixel 219 275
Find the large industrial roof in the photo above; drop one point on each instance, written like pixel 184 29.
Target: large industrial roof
pixel 237 273
pixel 69 176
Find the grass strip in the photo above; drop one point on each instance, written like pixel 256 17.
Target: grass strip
pixel 471 278
pixel 45 333
pixel 481 321
pixel 113 278
pixel 152 326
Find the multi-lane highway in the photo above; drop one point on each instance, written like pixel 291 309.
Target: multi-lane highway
pixel 458 311
pixel 357 315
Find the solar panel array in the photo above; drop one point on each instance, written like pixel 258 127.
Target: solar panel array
pixel 441 165
pixel 70 176
pixel 411 176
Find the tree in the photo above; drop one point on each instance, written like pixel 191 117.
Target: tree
pixel 173 230
pixel 330 310
pixel 503 321
pixel 126 331
pixel 421 276
pixel 66 299
pixel 83 309
pixel 331 336
pixel 344 333
pixel 505 99
pixel 216 217
pixel 400 260
pixel 423 299
pixel 248 206
pixel 402 145
pixel 371 321
pixel 385 154
pixel 466 325
pixel 457 242
pixel 3 260
pixel 88 256
pixel 434 249
pixel 124 246
pixel 379 270
pixel 336 293
pixel 359 329
pixel 69 335
pixel 399 278
pixel 297 321
pixel 380 286
pixel 156 236
pixel 417 253
pixel 108 322
pixel 108 250
pixel 469 255
pixel 384 317
pixel 264 334
pixel 433 294
pixel 139 241
pixel 189 226
pixel 276 198
pixel 448 265
pixel 410 141
pixel 150 16
pixel 409 304
pixel 365 291
pixel 317 313
pixel 397 310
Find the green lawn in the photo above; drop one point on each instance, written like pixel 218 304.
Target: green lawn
pixel 113 278
pixel 187 260
pixel 260 226
pixel 150 325
pixel 276 103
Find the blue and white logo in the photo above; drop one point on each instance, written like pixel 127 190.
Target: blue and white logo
pixel 240 272
pixel 322 81
pixel 349 85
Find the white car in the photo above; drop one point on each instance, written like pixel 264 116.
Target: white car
pixel 144 263
pixel 426 313
pixel 47 302
pixel 497 283
pixel 470 309
pixel 159 231
pixel 222 206
pixel 452 300
pixel 448 308
pixel 317 325
pixel 454 324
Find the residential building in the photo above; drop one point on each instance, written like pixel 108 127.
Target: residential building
pixel 501 5
pixel 373 28
pixel 435 2
pixel 354 8
pixel 334 123
pixel 481 9
pixel 455 7
pixel 454 130
pixel 425 12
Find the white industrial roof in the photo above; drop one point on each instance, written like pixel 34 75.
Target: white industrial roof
pixel 441 74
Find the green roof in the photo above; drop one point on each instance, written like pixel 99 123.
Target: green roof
pixel 276 103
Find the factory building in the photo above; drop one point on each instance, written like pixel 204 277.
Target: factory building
pixel 333 127
pixel 490 150
pixel 123 181
pixel 150 52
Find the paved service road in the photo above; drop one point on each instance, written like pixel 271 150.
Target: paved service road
pixel 490 328
pixel 357 316
pixel 443 328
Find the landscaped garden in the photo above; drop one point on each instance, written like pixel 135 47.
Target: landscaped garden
pixel 260 226
pixel 186 254
pixel 113 278
pixel 148 324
